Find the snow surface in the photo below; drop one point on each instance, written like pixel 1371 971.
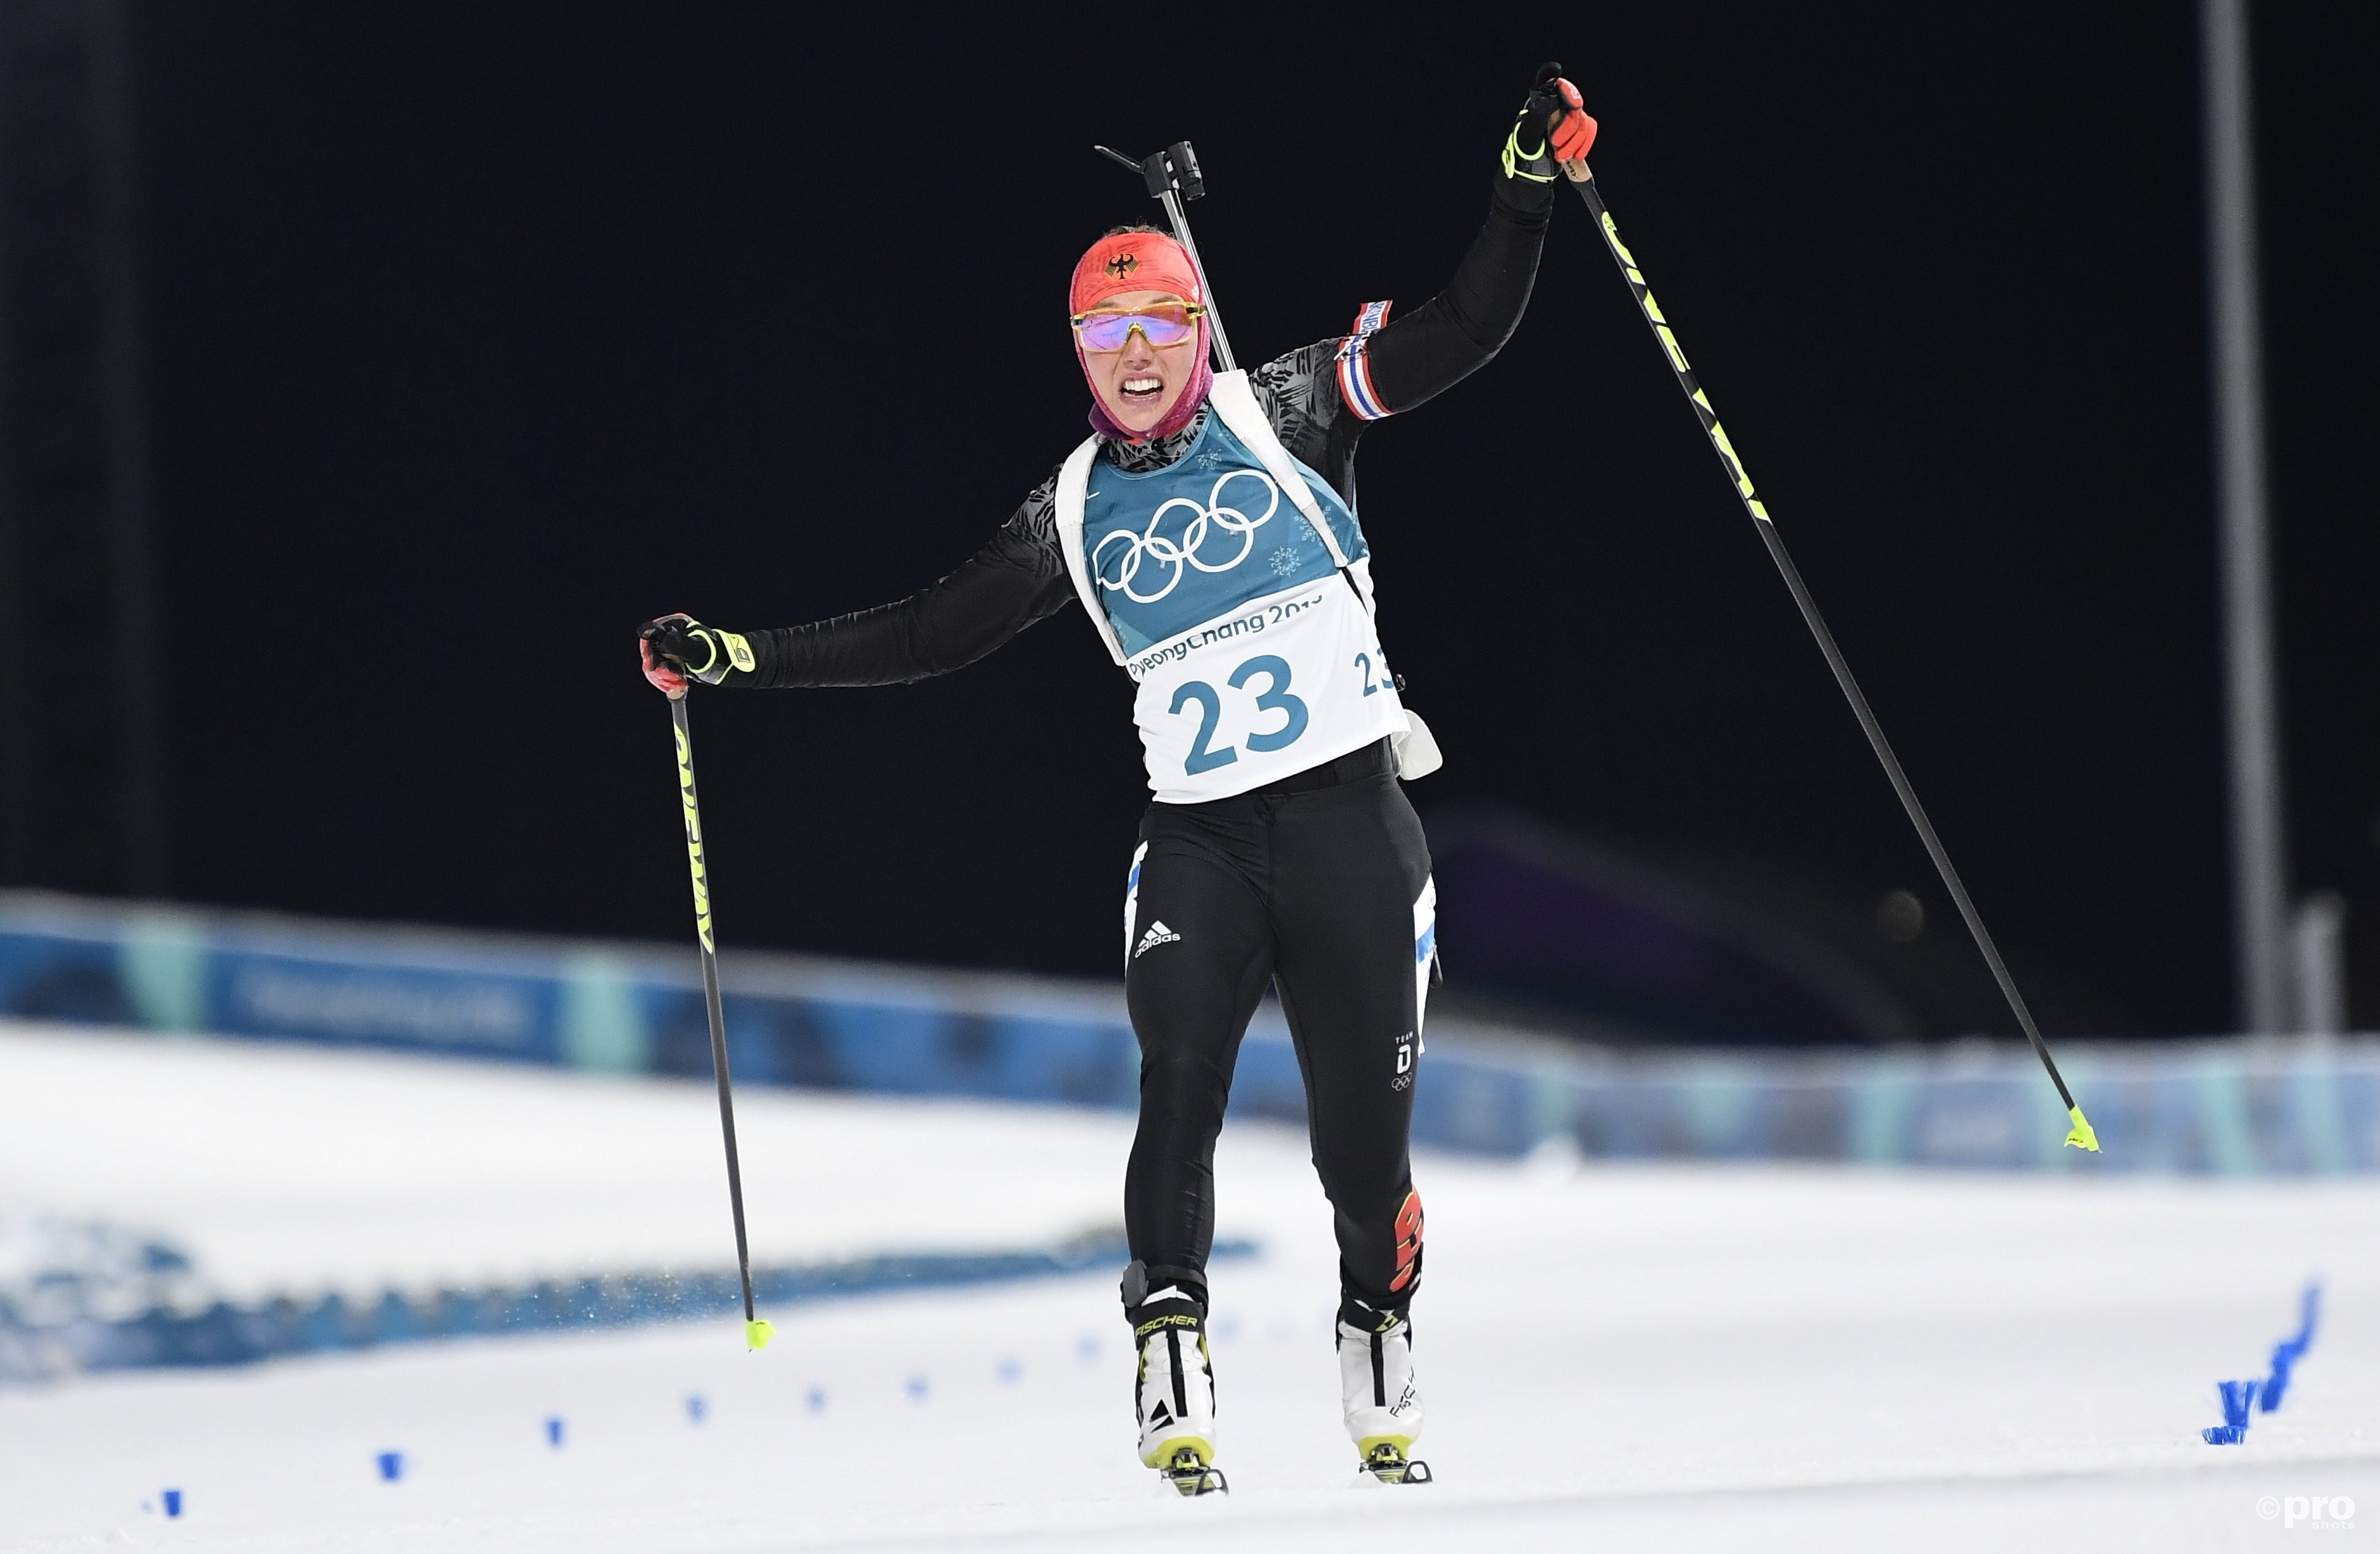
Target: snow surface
pixel 1710 1359
pixel 286 1166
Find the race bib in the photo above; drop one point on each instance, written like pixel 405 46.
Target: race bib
pixel 1284 681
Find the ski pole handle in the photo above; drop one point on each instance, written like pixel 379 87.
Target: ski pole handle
pixel 1569 129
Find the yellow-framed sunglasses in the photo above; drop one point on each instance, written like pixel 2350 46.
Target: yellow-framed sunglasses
pixel 1160 323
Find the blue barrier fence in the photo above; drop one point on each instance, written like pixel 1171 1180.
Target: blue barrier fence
pixel 2227 1107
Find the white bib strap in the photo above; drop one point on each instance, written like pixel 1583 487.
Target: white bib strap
pixel 1236 403
pixel 1073 483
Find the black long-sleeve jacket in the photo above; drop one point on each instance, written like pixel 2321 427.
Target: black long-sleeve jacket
pixel 1021 577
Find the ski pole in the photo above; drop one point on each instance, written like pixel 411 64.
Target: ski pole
pixel 756 1332
pixel 2080 1136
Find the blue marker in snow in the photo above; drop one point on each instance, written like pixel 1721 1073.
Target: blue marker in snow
pixel 2287 1352
pixel 391 1466
pixel 173 1502
pixel 554 1432
pixel 696 1407
pixel 2237 1397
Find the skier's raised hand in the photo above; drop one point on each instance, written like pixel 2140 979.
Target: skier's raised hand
pixel 678 648
pixel 1556 106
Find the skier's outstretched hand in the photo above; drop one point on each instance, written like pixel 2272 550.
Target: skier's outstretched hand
pixel 1555 104
pixel 677 649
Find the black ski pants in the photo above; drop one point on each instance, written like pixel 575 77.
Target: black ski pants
pixel 1318 884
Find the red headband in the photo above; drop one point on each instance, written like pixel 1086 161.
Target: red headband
pixel 1125 261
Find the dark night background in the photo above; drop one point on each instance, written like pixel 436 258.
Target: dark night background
pixel 477 335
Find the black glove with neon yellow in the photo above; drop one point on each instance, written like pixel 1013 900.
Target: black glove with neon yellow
pixel 677 649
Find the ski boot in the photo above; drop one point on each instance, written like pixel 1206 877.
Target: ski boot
pixel 1174 1394
pixel 1376 1386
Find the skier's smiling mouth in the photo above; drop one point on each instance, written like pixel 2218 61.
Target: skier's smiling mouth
pixel 1142 388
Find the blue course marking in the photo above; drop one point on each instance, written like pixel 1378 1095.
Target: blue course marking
pixel 2289 1351
pixel 230 1334
pixel 2240 1400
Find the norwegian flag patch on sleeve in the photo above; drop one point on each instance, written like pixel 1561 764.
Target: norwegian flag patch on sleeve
pixel 1355 367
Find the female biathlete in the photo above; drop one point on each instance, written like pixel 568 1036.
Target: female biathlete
pixel 1208 528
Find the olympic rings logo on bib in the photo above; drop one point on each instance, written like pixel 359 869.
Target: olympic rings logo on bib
pixel 1182 554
